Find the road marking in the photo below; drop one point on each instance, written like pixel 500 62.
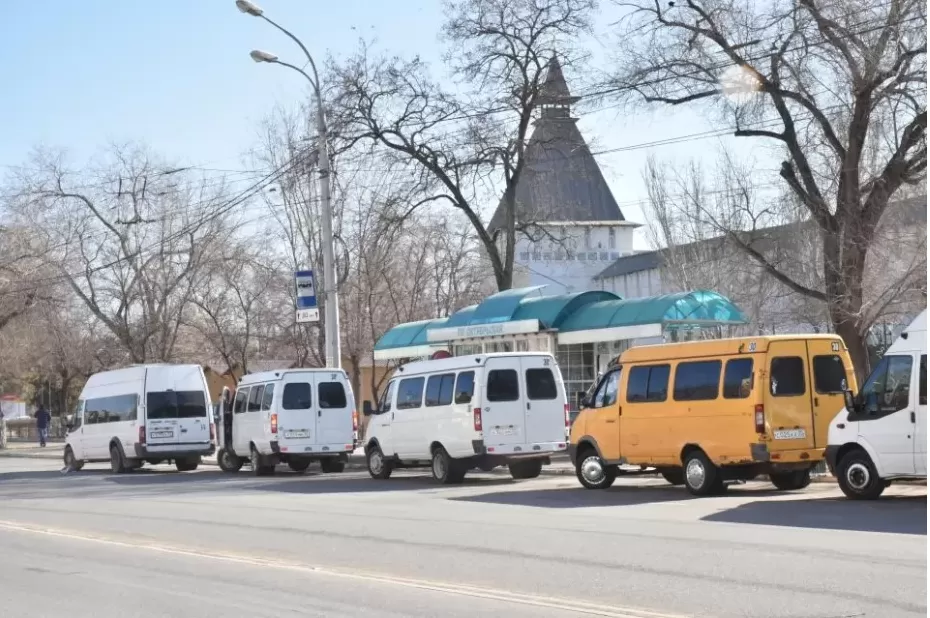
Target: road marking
pixel 570 605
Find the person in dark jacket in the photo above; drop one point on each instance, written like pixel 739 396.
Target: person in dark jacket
pixel 43 420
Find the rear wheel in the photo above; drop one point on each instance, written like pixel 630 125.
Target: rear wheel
pixel 299 465
pixel 592 472
pixel 259 467
pixel 858 477
pixel 228 461
pixel 525 469
pixel 701 476
pixel 117 465
pixel 187 464
pixel 70 461
pixel 378 467
pixel 332 465
pixel 791 481
pixel 445 469
pixel 675 476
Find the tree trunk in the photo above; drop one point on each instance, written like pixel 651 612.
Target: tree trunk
pixel 844 268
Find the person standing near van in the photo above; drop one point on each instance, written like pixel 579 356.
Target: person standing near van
pixel 43 419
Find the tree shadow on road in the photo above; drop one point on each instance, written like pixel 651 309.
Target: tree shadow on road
pixel 894 514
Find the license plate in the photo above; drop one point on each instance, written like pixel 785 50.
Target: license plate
pixel 297 433
pixel 790 434
pixel 505 431
pixel 161 434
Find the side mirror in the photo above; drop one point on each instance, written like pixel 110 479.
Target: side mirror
pixel 366 408
pixel 584 403
pixel 850 400
pixel 70 427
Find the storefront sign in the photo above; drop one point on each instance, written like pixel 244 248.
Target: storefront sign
pixel 483 330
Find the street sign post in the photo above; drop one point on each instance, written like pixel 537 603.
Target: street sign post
pixel 307 310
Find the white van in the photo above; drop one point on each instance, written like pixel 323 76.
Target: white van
pixel 293 416
pixel 881 436
pixel 478 411
pixel 146 413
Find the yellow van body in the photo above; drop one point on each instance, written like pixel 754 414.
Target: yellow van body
pixel 738 407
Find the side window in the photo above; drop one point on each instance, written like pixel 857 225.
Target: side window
pixel 737 378
pixel 268 396
pixel 331 395
pixel 464 387
pixel 829 374
pixel 787 377
pixel 77 416
pixel 888 389
pixel 540 384
pixel 255 398
pixel 387 397
pixel 410 393
pixel 296 396
pixel 647 384
pixel 503 385
pixel 439 390
pixel 923 379
pixel 607 393
pixel 242 398
pixel 697 381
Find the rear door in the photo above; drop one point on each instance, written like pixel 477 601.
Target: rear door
pixel 503 418
pixel 161 411
pixel 830 373
pixel 920 420
pixel 193 405
pixel 545 400
pixel 297 414
pixel 788 402
pixel 335 406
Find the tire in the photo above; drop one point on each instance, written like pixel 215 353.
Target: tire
pixel 791 481
pixel 117 464
pixel 259 468
pixel 332 465
pixel 228 461
pixel 525 469
pixel 186 464
pixel 858 477
pixel 378 466
pixel 70 462
pixel 299 466
pixel 592 472
pixel 444 468
pixel 701 476
pixel 674 476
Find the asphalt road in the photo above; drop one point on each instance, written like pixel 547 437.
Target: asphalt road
pixel 166 544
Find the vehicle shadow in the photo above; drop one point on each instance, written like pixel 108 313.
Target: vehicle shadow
pixel 335 484
pixel 893 514
pixel 578 497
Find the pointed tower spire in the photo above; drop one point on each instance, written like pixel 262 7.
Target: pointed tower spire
pixel 555 99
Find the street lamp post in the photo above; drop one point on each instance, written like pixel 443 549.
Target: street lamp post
pixel 330 291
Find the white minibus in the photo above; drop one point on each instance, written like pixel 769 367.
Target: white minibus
pixel 467 412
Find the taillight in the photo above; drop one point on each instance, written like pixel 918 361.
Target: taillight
pixel 141 434
pixel 274 423
pixel 760 418
pixel 354 420
pixel 568 416
pixel 477 419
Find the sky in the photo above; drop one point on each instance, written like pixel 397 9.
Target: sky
pixel 176 75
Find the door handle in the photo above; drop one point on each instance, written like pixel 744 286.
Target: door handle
pixel 619 411
pixel 319 412
pixel 913 416
pixel 611 420
pixel 816 401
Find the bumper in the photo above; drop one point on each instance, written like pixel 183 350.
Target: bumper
pixel 312 450
pixel 830 454
pixel 519 450
pixel 142 451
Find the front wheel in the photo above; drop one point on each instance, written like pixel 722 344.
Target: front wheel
pixel 858 477
pixel 525 469
pixel 593 473
pixel 791 481
pixel 71 462
pixel 332 465
pixel 228 461
pixel 378 467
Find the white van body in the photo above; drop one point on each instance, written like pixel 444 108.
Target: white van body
pixel 884 437
pixel 476 411
pixel 145 413
pixel 293 416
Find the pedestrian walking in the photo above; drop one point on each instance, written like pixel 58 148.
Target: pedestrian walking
pixel 43 419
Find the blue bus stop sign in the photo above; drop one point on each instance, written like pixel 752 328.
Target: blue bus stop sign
pixel 307 310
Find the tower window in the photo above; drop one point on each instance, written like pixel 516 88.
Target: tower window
pixel 612 238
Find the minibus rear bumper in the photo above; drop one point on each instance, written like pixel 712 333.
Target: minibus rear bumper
pixel 176 451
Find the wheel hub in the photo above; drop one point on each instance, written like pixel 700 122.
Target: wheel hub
pixel 374 460
pixel 592 470
pixel 858 476
pixel 439 467
pixel 695 473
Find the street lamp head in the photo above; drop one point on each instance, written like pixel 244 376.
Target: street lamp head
pixel 248 8
pixel 262 56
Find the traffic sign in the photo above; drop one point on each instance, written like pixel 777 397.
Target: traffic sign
pixel 307 310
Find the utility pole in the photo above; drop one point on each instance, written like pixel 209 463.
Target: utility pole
pixel 330 283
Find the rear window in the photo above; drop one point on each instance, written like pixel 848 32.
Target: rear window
pixel 268 397
pixel 296 396
pixel 737 379
pixel 697 381
pixel 439 389
pixel 175 404
pixel 829 374
pixel 540 384
pixel 255 398
pixel 503 385
pixel 465 387
pixel 787 379
pixel 331 395
pixel 648 384
pixel 410 393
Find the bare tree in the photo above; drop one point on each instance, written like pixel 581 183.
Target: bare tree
pixel 840 90
pixel 461 147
